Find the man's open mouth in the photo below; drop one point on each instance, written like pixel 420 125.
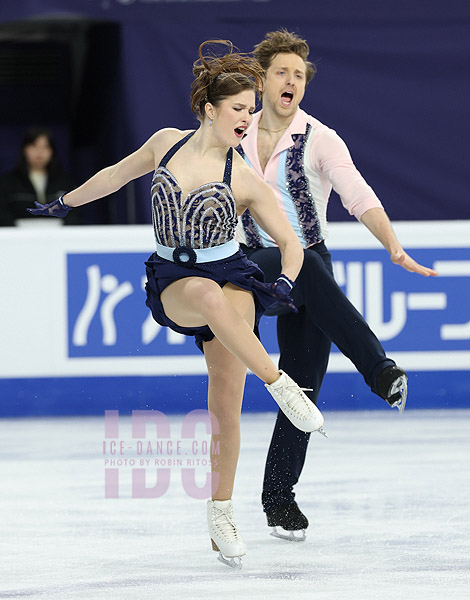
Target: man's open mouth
pixel 286 98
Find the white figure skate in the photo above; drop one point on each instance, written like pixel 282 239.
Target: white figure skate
pixel 297 407
pixel 224 533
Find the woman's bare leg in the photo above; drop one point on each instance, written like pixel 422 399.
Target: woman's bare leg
pixel 196 301
pixel 227 376
pixel 225 394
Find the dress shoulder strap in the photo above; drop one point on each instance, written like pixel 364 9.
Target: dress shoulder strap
pixel 228 167
pixel 174 149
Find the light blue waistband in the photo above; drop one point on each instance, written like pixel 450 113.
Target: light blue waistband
pixel 204 254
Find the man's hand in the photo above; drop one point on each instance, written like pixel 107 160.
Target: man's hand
pixel 378 223
pixel 404 260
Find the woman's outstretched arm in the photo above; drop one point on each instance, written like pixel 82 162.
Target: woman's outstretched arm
pixel 112 178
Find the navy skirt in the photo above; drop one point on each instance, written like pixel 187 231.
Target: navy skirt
pixel 237 269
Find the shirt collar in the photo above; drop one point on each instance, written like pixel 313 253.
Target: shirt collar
pixel 250 140
pixel 298 125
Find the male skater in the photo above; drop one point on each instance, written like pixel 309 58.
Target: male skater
pixel 302 160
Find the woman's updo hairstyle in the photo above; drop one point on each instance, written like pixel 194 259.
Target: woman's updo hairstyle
pixel 219 77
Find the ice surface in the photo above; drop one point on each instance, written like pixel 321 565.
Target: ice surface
pixel 387 498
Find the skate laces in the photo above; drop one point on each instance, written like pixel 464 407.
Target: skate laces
pixel 224 523
pixel 294 399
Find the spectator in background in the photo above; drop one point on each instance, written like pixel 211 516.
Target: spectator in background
pixel 38 176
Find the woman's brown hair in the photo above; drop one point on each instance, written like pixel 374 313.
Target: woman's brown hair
pixel 219 77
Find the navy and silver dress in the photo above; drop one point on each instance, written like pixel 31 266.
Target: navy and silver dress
pixel 195 237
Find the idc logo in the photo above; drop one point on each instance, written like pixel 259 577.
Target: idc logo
pixel 107 315
pixel 145 459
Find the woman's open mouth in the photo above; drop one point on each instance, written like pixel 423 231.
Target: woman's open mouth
pixel 239 131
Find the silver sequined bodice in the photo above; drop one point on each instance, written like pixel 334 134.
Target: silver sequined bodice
pixel 206 217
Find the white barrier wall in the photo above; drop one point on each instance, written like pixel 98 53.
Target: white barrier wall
pixel 72 307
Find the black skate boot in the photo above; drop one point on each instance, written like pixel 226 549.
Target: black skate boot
pixel 392 386
pixel 289 518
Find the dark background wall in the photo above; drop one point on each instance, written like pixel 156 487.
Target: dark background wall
pixel 105 74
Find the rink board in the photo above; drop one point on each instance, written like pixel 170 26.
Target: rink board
pixel 77 337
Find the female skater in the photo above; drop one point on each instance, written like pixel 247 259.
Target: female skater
pixel 198 281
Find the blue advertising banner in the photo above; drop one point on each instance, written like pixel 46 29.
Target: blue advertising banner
pixel 107 315
pixel 404 317
pixel 79 339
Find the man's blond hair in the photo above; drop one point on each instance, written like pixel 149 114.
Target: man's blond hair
pixel 283 42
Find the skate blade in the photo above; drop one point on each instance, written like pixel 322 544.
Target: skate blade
pixel 234 562
pixel 289 535
pixel 323 432
pixel 400 387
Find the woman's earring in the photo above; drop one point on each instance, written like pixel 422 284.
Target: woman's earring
pixel 210 121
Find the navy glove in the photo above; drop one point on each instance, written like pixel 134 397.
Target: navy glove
pixel 281 289
pixel 53 209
